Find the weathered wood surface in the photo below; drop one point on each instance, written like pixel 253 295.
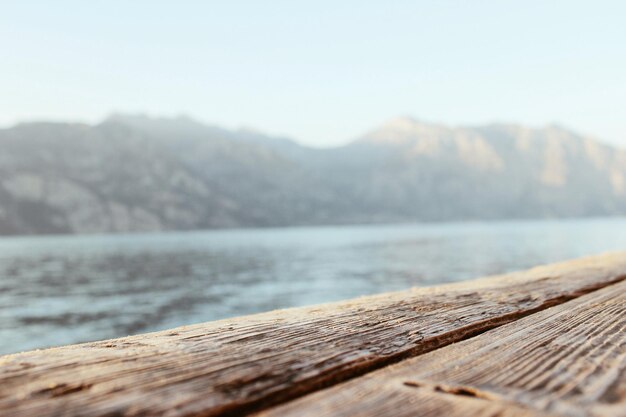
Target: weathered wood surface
pixel 569 360
pixel 248 363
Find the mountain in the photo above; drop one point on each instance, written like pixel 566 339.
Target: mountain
pixel 427 171
pixel 135 173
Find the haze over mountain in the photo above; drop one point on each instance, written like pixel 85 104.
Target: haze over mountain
pixel 135 173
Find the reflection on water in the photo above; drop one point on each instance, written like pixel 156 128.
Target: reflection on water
pixel 60 290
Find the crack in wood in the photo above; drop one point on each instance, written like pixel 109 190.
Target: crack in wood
pixel 464 391
pixel 58 390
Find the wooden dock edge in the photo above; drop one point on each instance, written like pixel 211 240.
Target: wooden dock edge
pixel 247 364
pixel 568 360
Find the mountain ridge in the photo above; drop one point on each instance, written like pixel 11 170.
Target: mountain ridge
pixel 136 173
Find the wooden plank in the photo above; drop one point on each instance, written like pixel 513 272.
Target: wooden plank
pixel 569 360
pixel 244 364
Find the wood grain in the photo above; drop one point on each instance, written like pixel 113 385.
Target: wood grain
pixel 245 364
pixel 569 360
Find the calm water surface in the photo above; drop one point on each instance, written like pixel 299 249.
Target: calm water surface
pixel 60 290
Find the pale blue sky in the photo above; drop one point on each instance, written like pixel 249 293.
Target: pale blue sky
pixel 319 71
